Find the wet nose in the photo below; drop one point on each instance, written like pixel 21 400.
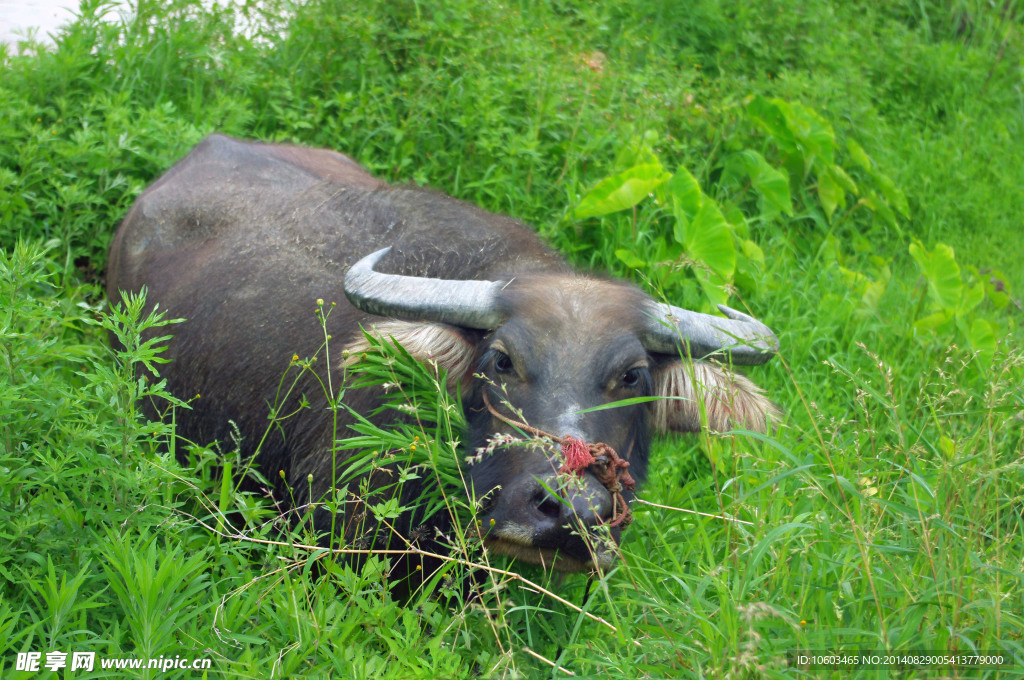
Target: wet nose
pixel 553 508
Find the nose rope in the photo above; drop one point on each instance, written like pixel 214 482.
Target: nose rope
pixel 609 468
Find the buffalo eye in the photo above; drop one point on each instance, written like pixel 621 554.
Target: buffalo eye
pixel 631 379
pixel 502 362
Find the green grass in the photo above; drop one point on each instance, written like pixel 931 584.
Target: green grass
pixel 884 515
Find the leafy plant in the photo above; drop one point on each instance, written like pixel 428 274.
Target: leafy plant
pixel 954 301
pixel 712 235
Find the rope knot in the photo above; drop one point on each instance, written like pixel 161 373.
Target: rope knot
pixel 609 469
pixel 606 466
pixel 577 455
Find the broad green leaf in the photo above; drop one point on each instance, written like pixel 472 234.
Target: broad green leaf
pixel 630 259
pixel 811 130
pixel 621 191
pixel 770 183
pixel 880 208
pixel 830 194
pixel 892 193
pixel 709 240
pixel 983 338
pixel 713 287
pixel 767 115
pixel 858 154
pixel 855 280
pixel 685 194
pixel 933 321
pixel 638 151
pixel 746 277
pixel 972 298
pixel 750 266
pixel 996 290
pixel 752 251
pixel 942 272
pixel 843 180
pixel 737 220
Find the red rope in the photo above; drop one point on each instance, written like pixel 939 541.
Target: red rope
pixel 608 467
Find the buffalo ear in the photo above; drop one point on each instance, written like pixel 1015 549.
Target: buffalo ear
pixel 432 343
pixel 729 399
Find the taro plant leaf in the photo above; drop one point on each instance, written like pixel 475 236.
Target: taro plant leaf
pixel 843 179
pixel 750 265
pixel 704 233
pixel 685 196
pixel 621 191
pixel 752 252
pixel 870 290
pixel 811 130
pixel 942 273
pixel 768 115
pixel 794 128
pixel 933 322
pixel 982 336
pixel 878 206
pixel 858 154
pixel 995 288
pixel 972 298
pixel 771 184
pixel 709 240
pixel 737 220
pixel 629 258
pixel 830 194
pixel 893 195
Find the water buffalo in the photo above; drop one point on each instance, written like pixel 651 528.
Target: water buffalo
pixel 242 238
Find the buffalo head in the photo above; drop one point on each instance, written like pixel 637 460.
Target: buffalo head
pixel 554 347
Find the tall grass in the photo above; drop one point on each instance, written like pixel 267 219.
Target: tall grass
pixel 885 514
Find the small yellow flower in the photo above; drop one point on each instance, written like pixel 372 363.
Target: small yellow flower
pixel 281 472
pixel 412 448
pixel 309 478
pixel 319 302
pixel 295 357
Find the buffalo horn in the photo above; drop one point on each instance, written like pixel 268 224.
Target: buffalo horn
pixel 461 303
pixel 745 339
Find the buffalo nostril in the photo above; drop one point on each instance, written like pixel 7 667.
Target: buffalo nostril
pixel 549 505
